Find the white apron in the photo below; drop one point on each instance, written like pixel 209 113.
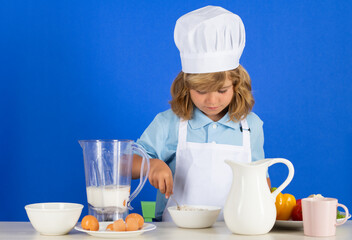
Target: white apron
pixel 201 175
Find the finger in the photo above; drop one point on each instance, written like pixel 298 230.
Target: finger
pixel 161 186
pixel 169 187
pixel 152 182
pixel 155 184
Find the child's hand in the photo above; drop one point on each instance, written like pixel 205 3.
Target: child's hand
pixel 160 176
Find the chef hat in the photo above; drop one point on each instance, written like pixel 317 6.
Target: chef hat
pixel 210 39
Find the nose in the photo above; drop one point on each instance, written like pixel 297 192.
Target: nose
pixel 211 98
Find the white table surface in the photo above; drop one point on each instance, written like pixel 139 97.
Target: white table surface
pixel 169 231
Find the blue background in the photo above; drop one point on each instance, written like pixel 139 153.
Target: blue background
pixel 89 69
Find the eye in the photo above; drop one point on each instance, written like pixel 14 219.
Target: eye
pixel 201 92
pixel 222 91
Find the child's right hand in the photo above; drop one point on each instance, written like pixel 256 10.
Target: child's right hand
pixel 160 176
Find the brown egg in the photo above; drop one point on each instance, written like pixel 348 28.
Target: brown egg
pixel 139 218
pixel 131 224
pixel 119 225
pixel 110 227
pixel 90 222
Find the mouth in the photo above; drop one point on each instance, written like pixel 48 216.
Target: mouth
pixel 212 108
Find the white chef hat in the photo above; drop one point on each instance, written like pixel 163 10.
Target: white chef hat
pixel 210 39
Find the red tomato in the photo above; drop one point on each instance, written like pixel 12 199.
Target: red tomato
pixel 299 202
pixel 296 214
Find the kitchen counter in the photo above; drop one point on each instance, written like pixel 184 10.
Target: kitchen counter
pixel 169 231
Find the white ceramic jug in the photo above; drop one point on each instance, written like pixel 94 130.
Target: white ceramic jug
pixel 250 206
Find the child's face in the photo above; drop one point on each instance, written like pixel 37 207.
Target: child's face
pixel 213 104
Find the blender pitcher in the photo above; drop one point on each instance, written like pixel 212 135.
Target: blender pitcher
pixel 108 172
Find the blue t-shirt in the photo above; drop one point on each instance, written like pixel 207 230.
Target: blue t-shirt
pixel 160 139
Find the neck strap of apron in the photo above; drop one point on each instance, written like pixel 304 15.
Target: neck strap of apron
pixel 246 138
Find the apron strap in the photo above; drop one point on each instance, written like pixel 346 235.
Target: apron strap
pixel 182 132
pixel 246 138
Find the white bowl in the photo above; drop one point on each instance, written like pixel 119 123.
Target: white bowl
pixel 53 218
pixel 197 216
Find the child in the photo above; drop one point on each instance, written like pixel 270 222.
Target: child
pixel 210 119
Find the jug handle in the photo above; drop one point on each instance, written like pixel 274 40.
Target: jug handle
pixel 289 178
pixel 142 179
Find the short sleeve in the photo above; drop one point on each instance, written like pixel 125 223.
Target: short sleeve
pixel 161 137
pixel 153 138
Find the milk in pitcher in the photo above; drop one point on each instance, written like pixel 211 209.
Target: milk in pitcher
pixel 109 198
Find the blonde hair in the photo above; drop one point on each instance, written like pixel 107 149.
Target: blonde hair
pixel 238 109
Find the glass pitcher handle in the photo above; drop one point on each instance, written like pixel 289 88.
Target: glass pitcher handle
pixel 289 178
pixel 142 179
